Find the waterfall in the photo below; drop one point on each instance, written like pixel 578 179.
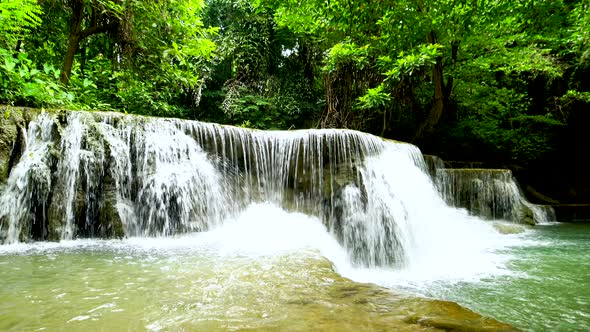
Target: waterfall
pixel 24 200
pixel 68 170
pixel 85 174
pixel 487 193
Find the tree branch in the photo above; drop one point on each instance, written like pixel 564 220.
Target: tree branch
pixel 96 29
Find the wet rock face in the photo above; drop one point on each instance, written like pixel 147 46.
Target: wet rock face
pixel 109 220
pixel 111 175
pixel 13 123
pixel 525 214
pixel 489 194
pixel 84 196
pixel 7 138
pixel 10 122
pixel 23 211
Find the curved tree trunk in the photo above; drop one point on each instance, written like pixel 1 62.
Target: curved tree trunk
pixel 77 34
pixel 73 40
pixel 440 97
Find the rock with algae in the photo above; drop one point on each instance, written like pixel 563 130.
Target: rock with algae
pixel 11 120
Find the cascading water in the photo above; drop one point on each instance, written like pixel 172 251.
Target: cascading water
pixel 68 170
pixel 24 201
pixel 181 190
pixel 402 209
pixel 487 193
pixel 278 229
pixel 111 175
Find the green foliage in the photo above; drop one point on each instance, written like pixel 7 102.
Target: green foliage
pixel 375 98
pixel 150 62
pixel 580 16
pixel 505 55
pixel 500 119
pixel 573 95
pixel 17 17
pixel 347 54
pixel 23 83
pixel 408 64
pixel 278 105
pixel 163 74
pixel 257 78
pixel 504 75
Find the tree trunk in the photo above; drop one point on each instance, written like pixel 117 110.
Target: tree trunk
pixel 306 58
pixel 17 48
pixel 438 107
pixel 339 94
pixel 77 34
pixel 73 41
pixel 125 35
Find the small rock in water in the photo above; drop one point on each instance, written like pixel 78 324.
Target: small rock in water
pixel 508 228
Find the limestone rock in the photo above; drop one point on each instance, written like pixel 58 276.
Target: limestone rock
pixel 11 120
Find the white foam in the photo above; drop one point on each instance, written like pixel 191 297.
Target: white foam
pixel 265 229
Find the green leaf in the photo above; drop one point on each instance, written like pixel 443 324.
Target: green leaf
pixel 9 64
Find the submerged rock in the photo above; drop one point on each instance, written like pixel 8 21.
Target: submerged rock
pixel 449 316
pixel 197 291
pixel 508 228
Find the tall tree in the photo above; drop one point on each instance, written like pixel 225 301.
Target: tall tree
pixel 88 17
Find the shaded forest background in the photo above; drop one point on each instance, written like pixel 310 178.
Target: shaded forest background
pixel 503 82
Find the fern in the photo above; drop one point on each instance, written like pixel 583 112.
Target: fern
pixel 17 17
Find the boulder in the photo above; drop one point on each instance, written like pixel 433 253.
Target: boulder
pixel 526 215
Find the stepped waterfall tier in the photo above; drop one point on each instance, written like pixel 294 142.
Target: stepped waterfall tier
pixel 487 193
pixel 82 174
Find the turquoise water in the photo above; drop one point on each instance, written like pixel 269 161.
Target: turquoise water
pixel 548 289
pixel 156 285
pixel 234 281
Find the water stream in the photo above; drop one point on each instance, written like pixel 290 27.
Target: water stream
pixel 285 271
pixel 547 288
pixel 222 228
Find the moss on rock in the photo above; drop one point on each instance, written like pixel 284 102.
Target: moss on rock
pixel 526 215
pixel 11 119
